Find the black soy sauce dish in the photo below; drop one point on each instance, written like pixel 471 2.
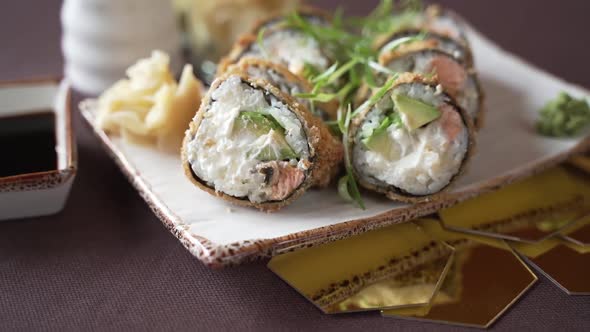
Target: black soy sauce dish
pixel 38 163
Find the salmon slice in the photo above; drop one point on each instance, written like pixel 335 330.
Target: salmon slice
pixel 282 178
pixel 450 121
pixel 451 74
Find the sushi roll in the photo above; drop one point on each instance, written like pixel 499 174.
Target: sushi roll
pixel 289 83
pixel 311 14
pixel 253 145
pixel 413 143
pixel 444 22
pixel 283 44
pixel 436 20
pixel 431 39
pixel 456 78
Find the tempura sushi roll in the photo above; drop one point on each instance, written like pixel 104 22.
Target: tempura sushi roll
pixel 289 83
pixel 283 44
pixel 413 143
pixel 456 78
pixel 445 22
pixel 311 14
pixel 253 145
pixel 435 19
pixel 426 39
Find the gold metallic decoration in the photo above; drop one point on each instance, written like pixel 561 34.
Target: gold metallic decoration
pixel 527 211
pixel 414 288
pixel 565 263
pixel 396 266
pixel 579 232
pixel 486 278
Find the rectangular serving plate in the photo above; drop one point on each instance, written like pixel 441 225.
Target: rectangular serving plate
pixel 39 193
pixel 220 234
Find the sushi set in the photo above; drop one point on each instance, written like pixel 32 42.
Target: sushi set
pixel 334 132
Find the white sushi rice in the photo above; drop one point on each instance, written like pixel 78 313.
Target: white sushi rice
pixel 275 79
pixel 420 162
pixel 420 63
pixel 446 25
pixel 222 156
pixel 291 48
pixel 289 87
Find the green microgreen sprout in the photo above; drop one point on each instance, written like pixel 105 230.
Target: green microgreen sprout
pixel 350 42
pixel 347 186
pixel 392 119
pixel 396 43
pixel 260 42
pixel 376 96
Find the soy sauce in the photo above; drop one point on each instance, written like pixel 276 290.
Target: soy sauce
pixel 27 144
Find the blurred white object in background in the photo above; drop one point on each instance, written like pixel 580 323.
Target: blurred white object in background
pixel 101 38
pixel 214 25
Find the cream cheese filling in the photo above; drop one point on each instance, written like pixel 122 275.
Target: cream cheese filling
pixel 291 48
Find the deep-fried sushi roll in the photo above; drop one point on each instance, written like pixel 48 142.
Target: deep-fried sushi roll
pixel 253 145
pixel 412 143
pixel 283 44
pixel 289 83
pixel 456 78
pixel 429 39
pixel 311 14
pixel 445 22
pixel 437 20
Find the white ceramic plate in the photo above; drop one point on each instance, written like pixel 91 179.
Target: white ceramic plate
pixel 220 234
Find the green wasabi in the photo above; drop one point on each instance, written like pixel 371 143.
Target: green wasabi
pixel 564 116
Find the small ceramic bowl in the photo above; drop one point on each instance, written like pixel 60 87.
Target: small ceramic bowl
pixel 38 162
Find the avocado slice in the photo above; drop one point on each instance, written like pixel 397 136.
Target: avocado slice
pixel 263 124
pixel 379 143
pixel 377 140
pixel 417 113
pixel 258 123
pixel 374 138
pixel 278 150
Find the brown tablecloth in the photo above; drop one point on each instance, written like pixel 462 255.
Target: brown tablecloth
pixel 106 262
